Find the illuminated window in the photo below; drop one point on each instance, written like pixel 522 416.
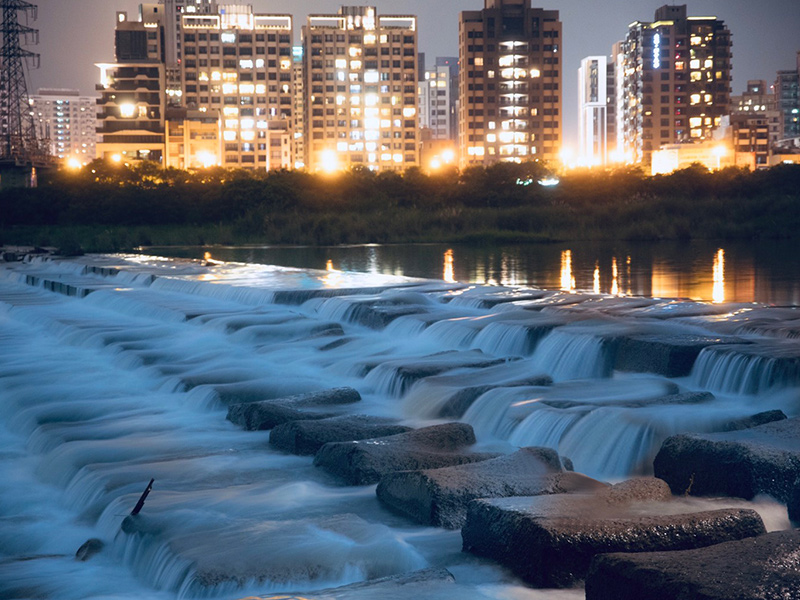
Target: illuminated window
pixel 127 111
pixel 245 64
pixel 479 61
pixel 228 38
pixel 694 63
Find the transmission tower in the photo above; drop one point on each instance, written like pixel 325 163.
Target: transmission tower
pixel 18 141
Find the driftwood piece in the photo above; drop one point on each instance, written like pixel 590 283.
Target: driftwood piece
pixel 142 498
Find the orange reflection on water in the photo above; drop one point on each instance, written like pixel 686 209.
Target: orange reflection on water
pixel 448 274
pixel 614 277
pixel 718 291
pixel 567 277
pixel 596 278
pixel 334 277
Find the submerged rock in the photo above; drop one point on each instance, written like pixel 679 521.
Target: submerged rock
pixel 366 461
pixel 89 548
pixel 668 355
pixel 768 416
pixel 266 414
pixel 306 437
pixel 766 567
pixel 406 586
pixel 440 496
pixel 549 541
pixel 457 404
pixel 743 463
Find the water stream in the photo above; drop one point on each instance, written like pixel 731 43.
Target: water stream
pixel 115 370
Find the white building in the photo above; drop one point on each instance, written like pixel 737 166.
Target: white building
pixel 592 106
pixel 438 92
pixel 68 120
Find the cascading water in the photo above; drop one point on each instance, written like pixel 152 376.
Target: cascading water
pixel 130 381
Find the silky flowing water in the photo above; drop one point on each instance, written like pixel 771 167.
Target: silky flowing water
pixel 116 369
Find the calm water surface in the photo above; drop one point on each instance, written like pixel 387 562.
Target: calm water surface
pixel 767 272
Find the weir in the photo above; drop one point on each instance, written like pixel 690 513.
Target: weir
pixel 102 391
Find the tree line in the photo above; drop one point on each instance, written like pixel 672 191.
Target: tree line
pixel 145 204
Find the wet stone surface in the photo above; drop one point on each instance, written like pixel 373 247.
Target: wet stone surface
pixel 549 541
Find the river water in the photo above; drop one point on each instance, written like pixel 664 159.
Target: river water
pixel 116 369
pixel 764 271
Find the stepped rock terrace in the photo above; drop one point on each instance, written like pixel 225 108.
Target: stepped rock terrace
pixel 115 370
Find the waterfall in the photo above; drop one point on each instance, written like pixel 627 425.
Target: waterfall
pixel 572 356
pixel 743 370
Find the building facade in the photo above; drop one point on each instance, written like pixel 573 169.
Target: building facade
pixel 69 121
pixel 753 112
pixel 510 92
pixel 593 110
pixel 787 97
pixel 238 64
pixel 131 108
pixel 360 78
pixel 676 81
pixel 438 92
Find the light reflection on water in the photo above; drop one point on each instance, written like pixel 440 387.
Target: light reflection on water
pixel 708 271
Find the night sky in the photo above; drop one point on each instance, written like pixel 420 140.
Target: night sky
pixel 75 34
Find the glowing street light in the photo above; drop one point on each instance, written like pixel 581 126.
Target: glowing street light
pixel 206 159
pixel 73 163
pixel 117 158
pixel 719 152
pixel 329 161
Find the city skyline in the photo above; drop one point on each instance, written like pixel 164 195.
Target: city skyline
pixel 764 36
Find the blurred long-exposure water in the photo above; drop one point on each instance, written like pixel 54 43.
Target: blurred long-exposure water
pixel 118 369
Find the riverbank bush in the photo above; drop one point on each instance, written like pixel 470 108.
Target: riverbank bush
pixel 116 208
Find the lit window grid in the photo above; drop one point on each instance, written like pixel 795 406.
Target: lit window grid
pixel 241 87
pixel 356 113
pixel 516 65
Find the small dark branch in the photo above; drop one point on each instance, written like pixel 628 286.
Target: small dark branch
pixel 142 498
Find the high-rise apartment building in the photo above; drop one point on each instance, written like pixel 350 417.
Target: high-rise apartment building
pixel 131 107
pixel 239 64
pixel 755 121
pixel 787 97
pixel 69 121
pixel 438 92
pixel 299 113
pixel 593 110
pixel 676 80
pixel 510 92
pixel 360 78
pixel 617 139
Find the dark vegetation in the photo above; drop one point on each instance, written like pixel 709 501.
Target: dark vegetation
pixel 110 208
